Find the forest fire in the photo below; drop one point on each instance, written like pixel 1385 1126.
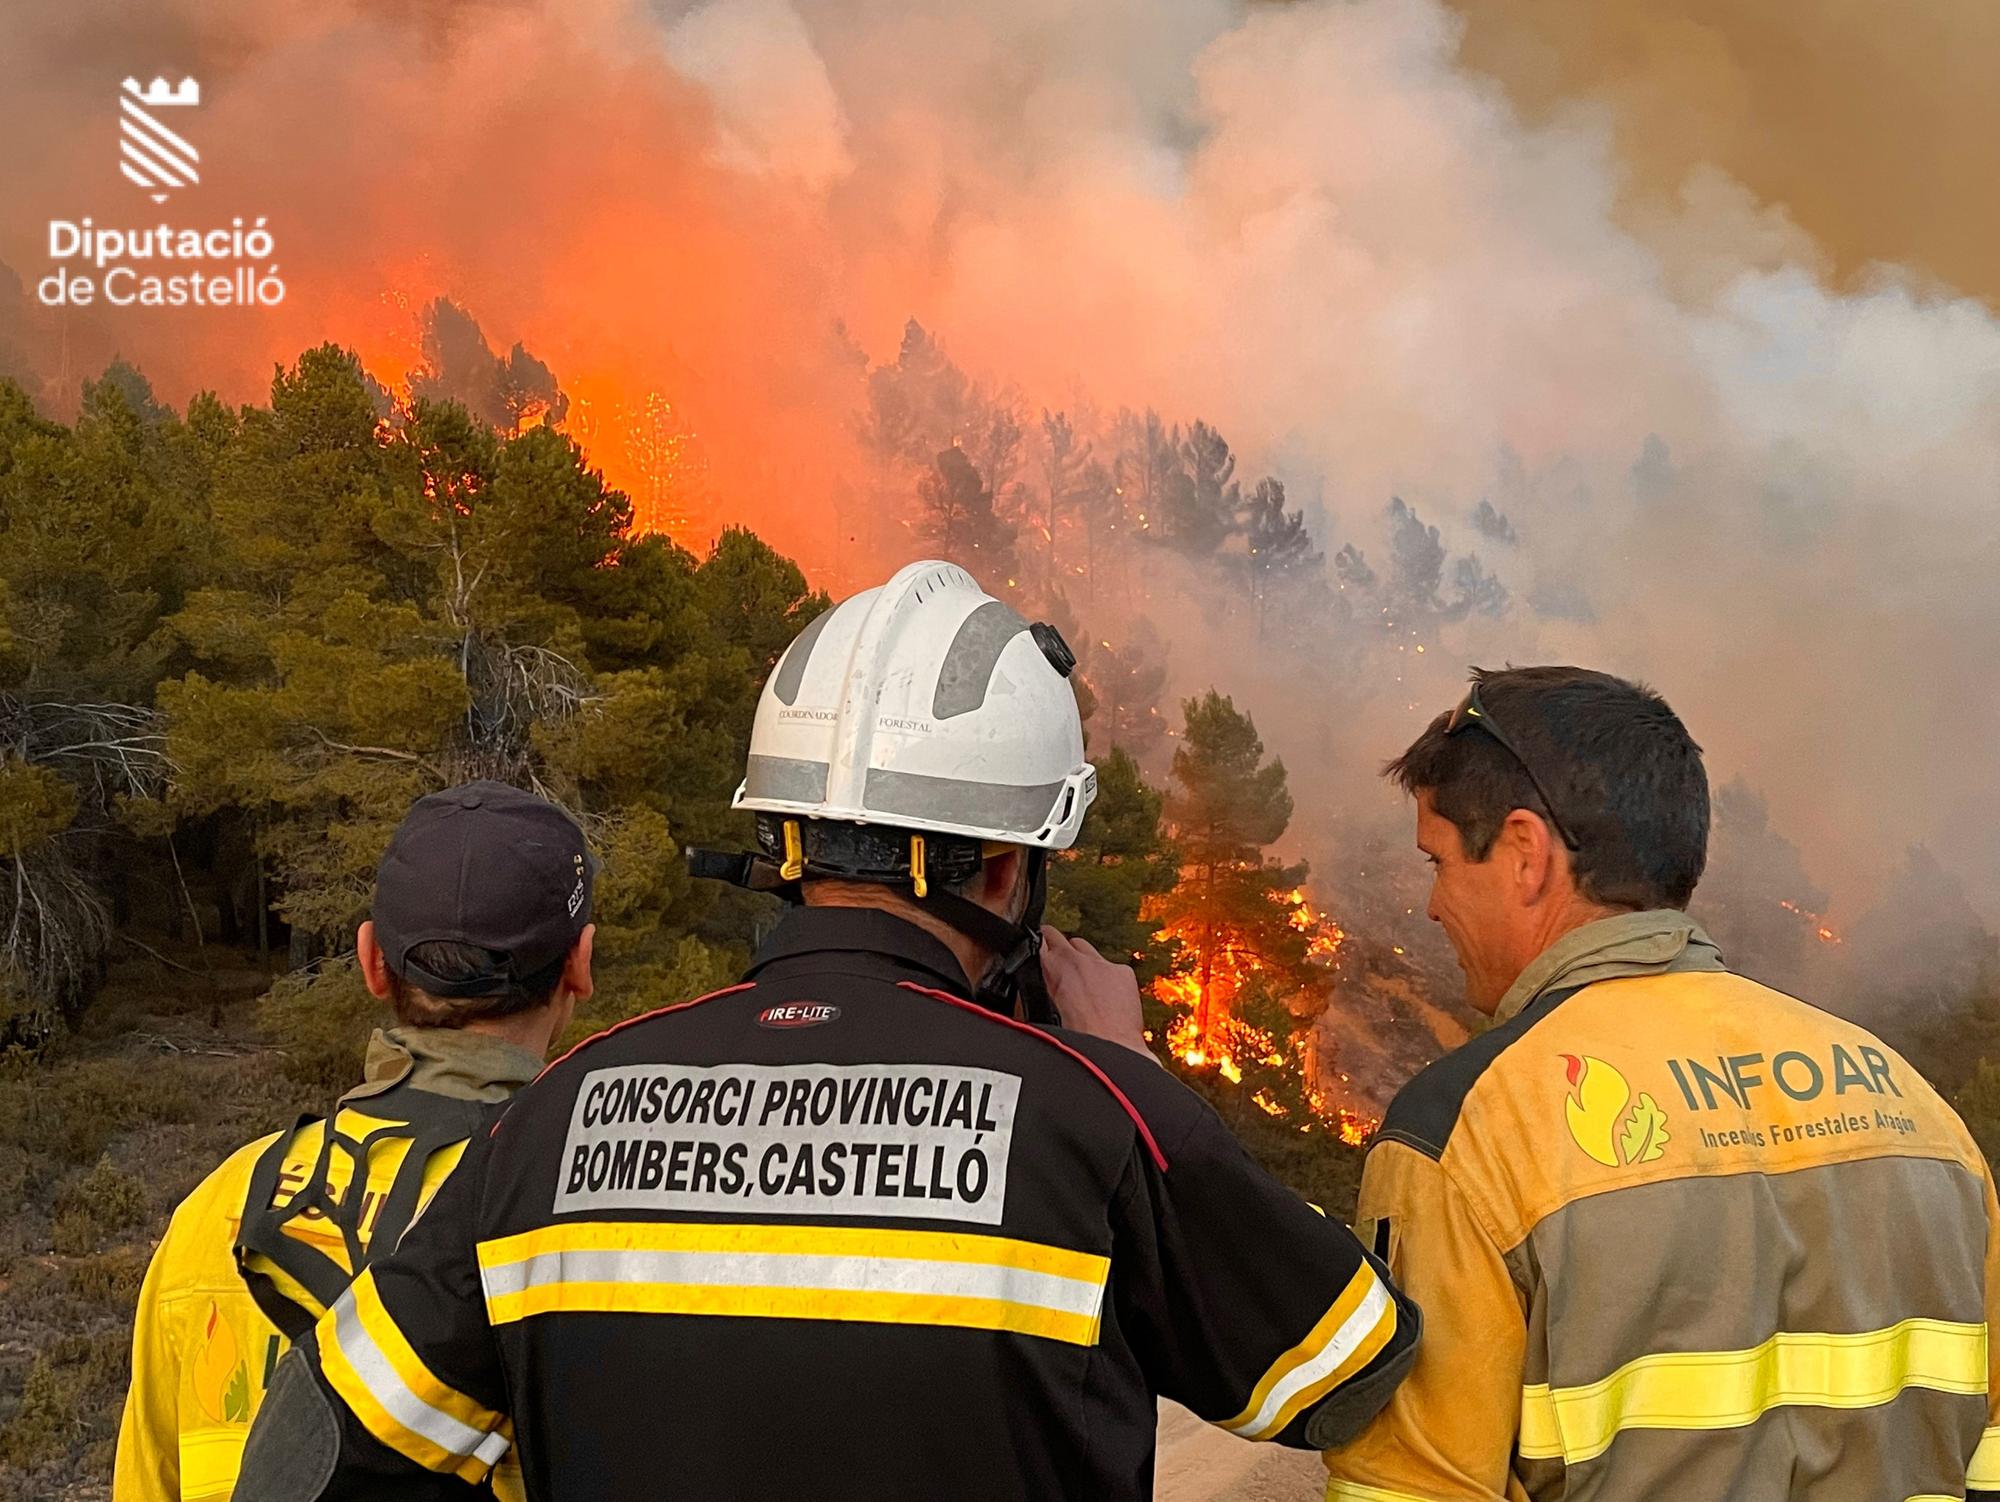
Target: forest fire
pixel 414 346
pixel 1245 1013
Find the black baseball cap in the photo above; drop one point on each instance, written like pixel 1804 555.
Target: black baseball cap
pixel 487 865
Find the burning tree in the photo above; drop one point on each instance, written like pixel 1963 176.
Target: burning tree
pixel 1253 968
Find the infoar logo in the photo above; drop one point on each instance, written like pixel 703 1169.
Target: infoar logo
pixel 1604 1119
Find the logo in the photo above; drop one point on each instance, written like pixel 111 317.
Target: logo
pixel 798 1014
pixel 1600 1121
pixel 160 265
pixel 153 154
pixel 221 1380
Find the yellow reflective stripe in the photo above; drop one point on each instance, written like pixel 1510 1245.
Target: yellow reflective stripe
pixel 1983 1473
pixel 210 1459
pixel 1354 1491
pixel 794 1303
pixel 373 1368
pixel 1727 1389
pixel 388 1337
pixel 830 1241
pixel 1361 1321
pixel 1539 1437
pixel 855 1273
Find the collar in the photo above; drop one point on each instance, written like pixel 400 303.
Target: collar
pixel 445 1061
pixel 1654 942
pixel 870 940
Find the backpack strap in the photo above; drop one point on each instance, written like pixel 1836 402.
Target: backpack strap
pixel 427 1121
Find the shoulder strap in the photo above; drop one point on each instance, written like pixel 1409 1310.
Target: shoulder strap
pixel 427 1121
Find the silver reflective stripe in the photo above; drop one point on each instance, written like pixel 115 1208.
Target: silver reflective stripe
pixel 785 779
pixel 493 1447
pixel 968 666
pixel 1352 1332
pixel 792 671
pixel 952 801
pixel 911 1275
pixel 404 1406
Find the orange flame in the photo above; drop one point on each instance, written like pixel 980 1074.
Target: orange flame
pixel 1213 1037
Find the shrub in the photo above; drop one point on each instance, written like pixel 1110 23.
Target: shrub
pixel 72 1397
pixel 322 1019
pixel 95 1205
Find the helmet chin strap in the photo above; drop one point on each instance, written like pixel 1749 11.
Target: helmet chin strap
pixel 1016 971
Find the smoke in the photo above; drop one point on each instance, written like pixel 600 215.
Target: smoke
pixel 1876 128
pixel 1730 459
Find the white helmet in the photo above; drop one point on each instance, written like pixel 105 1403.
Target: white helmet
pixel 924 705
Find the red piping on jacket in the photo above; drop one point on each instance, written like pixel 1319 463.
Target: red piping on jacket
pixel 1146 1132
pixel 679 1006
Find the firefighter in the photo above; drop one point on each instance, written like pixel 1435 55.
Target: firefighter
pixel 855 1227
pixel 1679 1236
pixel 480 942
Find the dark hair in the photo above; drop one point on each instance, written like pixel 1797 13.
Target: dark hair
pixel 1626 775
pixel 452 961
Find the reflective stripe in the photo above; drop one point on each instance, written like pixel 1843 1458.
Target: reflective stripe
pixel 785 778
pixel 1354 1491
pixel 210 1460
pixel 383 1380
pixel 1361 1321
pixel 1982 1473
pixel 955 800
pixel 797 1272
pixel 1728 1389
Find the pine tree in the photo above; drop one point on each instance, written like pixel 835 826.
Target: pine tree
pixel 1416 568
pixel 1227 806
pixel 1281 559
pixel 1245 969
pixel 1147 468
pixel 1474 590
pixel 1127 678
pixel 1064 458
pixel 1203 499
pixel 960 521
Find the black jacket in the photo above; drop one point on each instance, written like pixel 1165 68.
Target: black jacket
pixel 839 1231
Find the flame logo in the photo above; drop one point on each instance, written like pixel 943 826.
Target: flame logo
pixel 221 1381
pixel 1599 1120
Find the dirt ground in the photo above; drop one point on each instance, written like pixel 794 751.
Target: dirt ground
pixel 1200 1463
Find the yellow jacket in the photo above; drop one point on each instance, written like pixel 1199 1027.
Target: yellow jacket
pixel 1679 1236
pixel 202 1349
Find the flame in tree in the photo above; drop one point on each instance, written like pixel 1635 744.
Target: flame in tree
pixel 1813 921
pixel 1229 1007
pixel 413 345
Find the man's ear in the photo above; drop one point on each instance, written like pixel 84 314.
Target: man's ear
pixel 998 875
pixel 576 967
pixel 1535 868
pixel 374 963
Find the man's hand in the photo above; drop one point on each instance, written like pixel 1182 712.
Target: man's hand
pixel 1094 995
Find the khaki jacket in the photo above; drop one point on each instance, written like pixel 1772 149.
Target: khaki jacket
pixel 1679 1236
pixel 202 1351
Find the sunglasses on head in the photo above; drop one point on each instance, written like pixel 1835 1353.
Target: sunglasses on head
pixel 1471 712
